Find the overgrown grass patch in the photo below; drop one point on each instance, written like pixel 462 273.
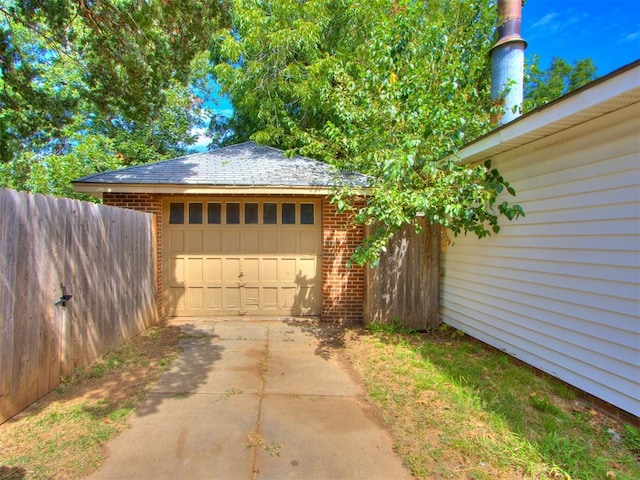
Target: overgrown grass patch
pixel 62 434
pixel 458 409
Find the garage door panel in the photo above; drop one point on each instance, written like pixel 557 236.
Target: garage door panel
pixel 176 297
pixel 214 298
pixel 213 270
pixel 231 270
pixel 307 270
pixel 231 296
pixel 194 269
pixel 287 298
pixel 176 241
pixel 308 296
pixel 213 241
pixel 251 269
pixel 309 241
pixel 269 270
pixel 176 271
pixel 195 298
pixel 269 242
pixel 288 241
pixel 250 241
pixel 230 241
pixel 193 241
pixel 287 270
pixel 252 298
pixel 270 298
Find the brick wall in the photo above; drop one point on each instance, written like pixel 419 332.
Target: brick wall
pixel 144 202
pixel 342 286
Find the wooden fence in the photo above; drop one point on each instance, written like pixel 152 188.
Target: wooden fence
pixel 404 287
pixel 103 256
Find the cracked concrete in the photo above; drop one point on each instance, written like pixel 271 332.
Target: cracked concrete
pixel 254 399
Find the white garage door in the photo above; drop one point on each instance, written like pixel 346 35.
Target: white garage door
pixel 241 257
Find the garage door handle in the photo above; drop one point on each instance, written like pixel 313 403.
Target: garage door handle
pixel 241 284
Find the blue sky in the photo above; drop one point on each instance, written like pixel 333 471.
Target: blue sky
pixel 607 31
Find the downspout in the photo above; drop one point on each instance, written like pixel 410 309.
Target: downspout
pixel 507 63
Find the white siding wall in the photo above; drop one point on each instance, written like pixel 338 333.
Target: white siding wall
pixel 560 288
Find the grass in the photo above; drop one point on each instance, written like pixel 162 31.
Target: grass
pixel 458 409
pixel 455 408
pixel 62 434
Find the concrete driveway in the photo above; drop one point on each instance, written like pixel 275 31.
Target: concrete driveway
pixel 255 399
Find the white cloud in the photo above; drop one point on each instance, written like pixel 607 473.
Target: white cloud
pixel 544 21
pixel 202 140
pixel 629 37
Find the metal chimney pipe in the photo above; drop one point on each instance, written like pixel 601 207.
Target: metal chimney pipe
pixel 507 62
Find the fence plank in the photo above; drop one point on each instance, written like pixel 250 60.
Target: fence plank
pixel 67 273
pixel 43 291
pixel 8 220
pixel 20 311
pixel 29 295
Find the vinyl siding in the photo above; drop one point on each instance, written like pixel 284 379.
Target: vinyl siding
pixel 560 288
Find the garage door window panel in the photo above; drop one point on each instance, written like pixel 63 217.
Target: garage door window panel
pixel 251 213
pixel 214 213
pixel 288 213
pixel 195 213
pixel 176 213
pixel 307 213
pixel 270 213
pixel 233 213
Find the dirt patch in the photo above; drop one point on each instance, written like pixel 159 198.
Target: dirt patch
pixel 62 434
pixel 149 351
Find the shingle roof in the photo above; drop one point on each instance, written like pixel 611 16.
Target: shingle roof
pixel 245 164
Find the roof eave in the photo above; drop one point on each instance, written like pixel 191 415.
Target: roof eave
pixel 97 189
pixel 618 89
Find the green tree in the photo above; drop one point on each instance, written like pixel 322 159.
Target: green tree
pixel 123 71
pixel 543 86
pixel 390 89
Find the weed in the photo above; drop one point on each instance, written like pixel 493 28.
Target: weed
pixel 254 440
pixel 263 366
pixel 196 335
pixel 273 449
pixel 233 391
pixel 98 371
pixel 230 392
pixel 120 414
pixel 391 326
pixel 631 438
pixel 545 405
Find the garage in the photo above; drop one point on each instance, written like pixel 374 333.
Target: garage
pixel 231 256
pixel 246 230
